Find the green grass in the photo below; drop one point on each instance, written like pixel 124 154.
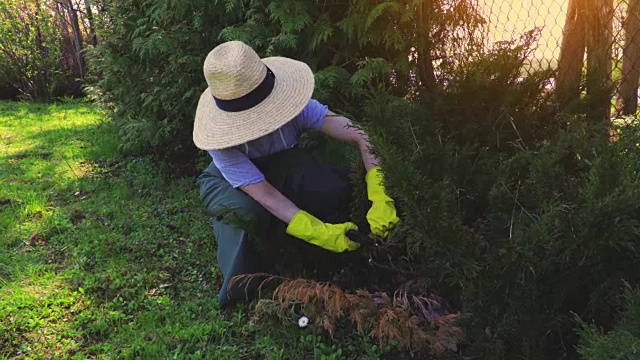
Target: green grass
pixel 104 256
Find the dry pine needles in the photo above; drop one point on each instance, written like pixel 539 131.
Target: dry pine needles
pixel 415 323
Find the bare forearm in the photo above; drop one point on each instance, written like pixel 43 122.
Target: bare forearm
pixel 340 128
pixel 368 158
pixel 272 200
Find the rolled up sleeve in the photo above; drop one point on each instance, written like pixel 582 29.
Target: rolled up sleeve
pixel 312 116
pixel 236 167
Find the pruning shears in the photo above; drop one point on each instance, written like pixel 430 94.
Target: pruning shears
pixel 365 240
pixel 373 243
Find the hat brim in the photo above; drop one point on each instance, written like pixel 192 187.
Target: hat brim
pixel 217 129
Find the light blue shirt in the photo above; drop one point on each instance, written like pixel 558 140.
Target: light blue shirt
pixel 234 162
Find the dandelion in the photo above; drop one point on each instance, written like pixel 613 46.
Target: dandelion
pixel 303 322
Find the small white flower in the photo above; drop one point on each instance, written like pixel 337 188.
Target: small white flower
pixel 303 322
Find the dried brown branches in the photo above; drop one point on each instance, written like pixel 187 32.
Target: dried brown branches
pixel 412 322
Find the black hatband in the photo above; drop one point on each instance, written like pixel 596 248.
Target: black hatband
pixel 253 98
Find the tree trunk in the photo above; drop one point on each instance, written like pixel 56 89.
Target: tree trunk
pixel 424 48
pixel 571 60
pixel 77 39
pixel 40 61
pixel 93 40
pixel 627 102
pixel 599 61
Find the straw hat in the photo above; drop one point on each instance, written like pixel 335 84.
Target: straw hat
pixel 248 97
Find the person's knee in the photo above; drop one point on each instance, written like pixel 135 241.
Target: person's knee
pixel 228 204
pixel 242 211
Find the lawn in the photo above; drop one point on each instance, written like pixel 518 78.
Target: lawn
pixel 108 256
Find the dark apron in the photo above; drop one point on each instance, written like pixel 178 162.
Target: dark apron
pixel 251 240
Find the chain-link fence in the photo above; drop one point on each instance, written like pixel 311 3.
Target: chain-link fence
pixel 589 43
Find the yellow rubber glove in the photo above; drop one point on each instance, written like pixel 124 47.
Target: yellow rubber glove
pixel 328 236
pixel 382 214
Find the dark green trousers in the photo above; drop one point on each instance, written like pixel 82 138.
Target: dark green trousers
pixel 250 239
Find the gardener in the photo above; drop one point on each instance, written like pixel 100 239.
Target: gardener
pixel 250 119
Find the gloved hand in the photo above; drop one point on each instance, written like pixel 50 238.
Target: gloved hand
pixel 382 214
pixel 328 236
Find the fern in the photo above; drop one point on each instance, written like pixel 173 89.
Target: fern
pixel 291 14
pixel 369 69
pixel 230 6
pixel 320 33
pixel 331 76
pixel 333 83
pixel 280 43
pixel 379 9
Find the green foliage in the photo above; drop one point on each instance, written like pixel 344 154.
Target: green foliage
pixel 148 69
pixel 488 103
pixel 623 342
pixel 29 50
pixel 7 79
pixel 520 214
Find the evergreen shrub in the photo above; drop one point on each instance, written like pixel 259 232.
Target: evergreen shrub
pixel 623 342
pixel 147 70
pixel 521 215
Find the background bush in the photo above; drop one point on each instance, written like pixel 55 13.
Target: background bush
pixel 524 234
pixel 42 48
pixel 7 79
pixel 29 50
pixel 148 67
pixel 623 342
